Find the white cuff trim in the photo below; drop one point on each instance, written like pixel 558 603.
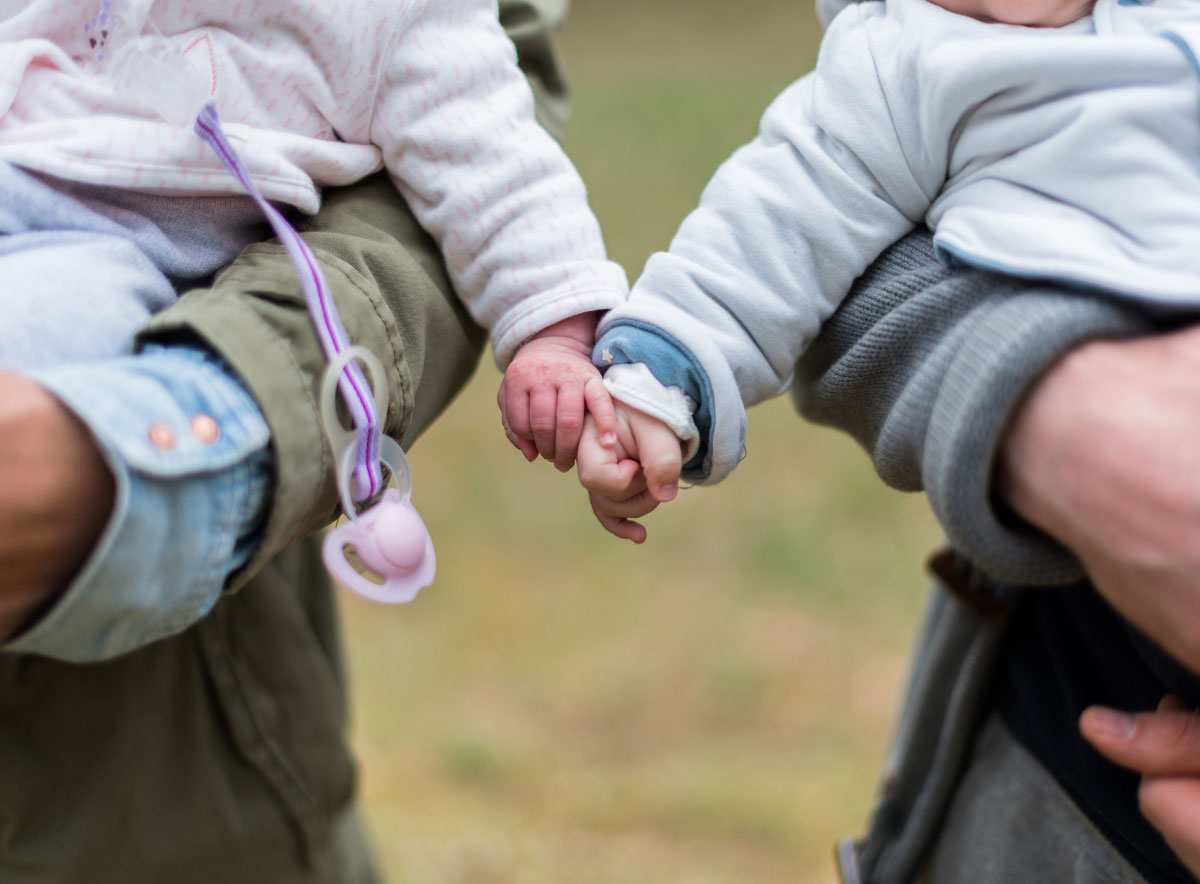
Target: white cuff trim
pixel 635 385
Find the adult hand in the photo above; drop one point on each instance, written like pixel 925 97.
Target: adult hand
pixel 1164 747
pixel 1104 455
pixel 549 386
pixel 632 477
pixel 57 497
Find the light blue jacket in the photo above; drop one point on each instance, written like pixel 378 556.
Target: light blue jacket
pixel 1062 154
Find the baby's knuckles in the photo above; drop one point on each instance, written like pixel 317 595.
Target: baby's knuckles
pixel 550 363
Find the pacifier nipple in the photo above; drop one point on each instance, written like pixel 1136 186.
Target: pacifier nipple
pixel 400 536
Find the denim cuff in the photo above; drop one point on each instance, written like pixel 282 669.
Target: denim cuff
pixel 189 452
pixel 629 341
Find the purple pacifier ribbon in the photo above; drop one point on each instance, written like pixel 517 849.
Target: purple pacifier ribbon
pixel 356 393
pixel 390 538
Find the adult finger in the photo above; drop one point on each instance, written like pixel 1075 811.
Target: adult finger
pixel 1172 805
pixel 600 407
pixel 1161 743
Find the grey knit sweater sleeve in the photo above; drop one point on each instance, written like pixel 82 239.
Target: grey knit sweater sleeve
pixel 924 365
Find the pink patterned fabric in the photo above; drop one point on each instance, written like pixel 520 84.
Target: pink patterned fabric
pixel 315 94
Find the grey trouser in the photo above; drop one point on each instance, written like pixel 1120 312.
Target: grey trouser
pixel 1011 823
pixel 961 801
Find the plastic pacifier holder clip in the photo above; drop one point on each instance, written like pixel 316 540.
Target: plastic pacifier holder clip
pixel 389 538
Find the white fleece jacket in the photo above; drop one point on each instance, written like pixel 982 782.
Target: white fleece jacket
pixel 315 93
pixel 1067 154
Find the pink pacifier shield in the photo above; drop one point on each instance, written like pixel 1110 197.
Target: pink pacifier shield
pixel 392 541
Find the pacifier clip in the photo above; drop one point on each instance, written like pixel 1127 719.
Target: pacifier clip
pixel 389 537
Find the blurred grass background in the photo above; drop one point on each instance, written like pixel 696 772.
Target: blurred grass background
pixel 711 707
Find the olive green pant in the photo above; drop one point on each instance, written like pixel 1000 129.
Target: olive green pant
pixel 219 755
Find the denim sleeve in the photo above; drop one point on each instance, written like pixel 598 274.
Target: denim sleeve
pixel 188 448
pixel 626 341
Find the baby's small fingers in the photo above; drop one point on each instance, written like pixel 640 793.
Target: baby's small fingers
pixel 617 526
pixel 618 480
pixel 510 406
pixel 514 409
pixel 600 407
pixel 543 419
pixel 635 507
pixel 661 458
pixel 603 471
pixel 569 418
pixel 526 446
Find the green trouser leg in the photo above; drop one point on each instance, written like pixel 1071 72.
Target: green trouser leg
pixel 220 755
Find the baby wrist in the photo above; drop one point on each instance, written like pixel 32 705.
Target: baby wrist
pixel 581 327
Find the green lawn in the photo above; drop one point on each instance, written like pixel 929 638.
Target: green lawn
pixel 710 707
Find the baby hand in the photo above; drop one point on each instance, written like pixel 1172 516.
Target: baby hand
pixel 549 386
pixel 619 488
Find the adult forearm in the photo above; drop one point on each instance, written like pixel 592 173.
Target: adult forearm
pixel 1102 456
pixel 1053 432
pixel 57 497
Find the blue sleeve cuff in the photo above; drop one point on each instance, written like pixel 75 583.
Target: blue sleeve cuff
pixel 627 341
pixel 189 453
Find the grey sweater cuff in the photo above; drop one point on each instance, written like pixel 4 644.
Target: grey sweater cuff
pixel 993 367
pixel 925 365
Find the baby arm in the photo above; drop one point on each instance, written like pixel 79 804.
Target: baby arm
pixel 455 122
pixel 509 212
pixel 547 388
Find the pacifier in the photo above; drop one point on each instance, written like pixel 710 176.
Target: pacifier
pixel 392 541
pixel 389 539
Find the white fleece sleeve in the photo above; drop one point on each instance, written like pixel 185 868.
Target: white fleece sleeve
pixel 455 121
pixel 782 230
